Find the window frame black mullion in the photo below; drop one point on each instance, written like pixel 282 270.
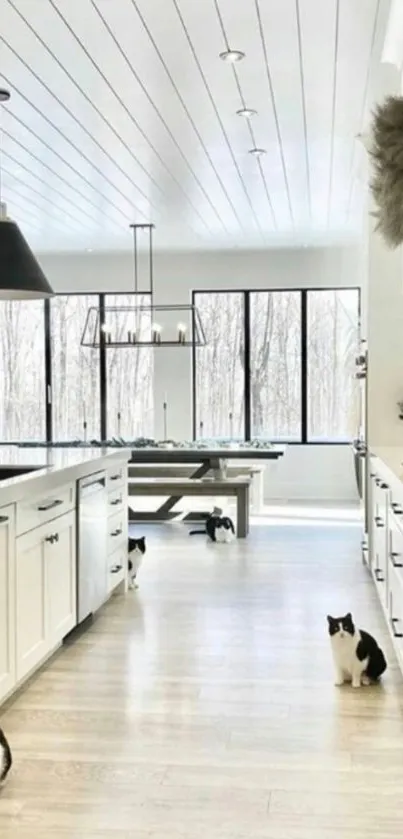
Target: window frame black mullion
pixel 247 367
pixel 194 404
pixel 304 366
pixel 103 385
pixel 48 371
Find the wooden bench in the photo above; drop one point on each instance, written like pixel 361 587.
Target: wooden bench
pixel 238 487
pixel 233 470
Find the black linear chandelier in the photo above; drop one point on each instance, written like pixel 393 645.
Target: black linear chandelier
pixel 143 325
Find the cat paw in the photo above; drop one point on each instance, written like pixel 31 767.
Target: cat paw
pixel 339 682
pixel 366 681
pixel 356 684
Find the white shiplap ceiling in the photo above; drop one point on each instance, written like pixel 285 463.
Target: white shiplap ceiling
pixel 122 111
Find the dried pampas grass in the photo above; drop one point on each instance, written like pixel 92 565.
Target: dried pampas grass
pixel 387 181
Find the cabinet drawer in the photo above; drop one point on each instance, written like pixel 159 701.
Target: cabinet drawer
pixel 117 568
pixel 7 600
pixel 34 512
pixel 117 501
pixel 117 531
pixel 395 543
pixel 116 476
pixel 395 604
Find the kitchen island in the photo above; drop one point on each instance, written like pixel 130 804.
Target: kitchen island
pixel 38 548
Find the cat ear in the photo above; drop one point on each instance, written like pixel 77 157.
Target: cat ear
pixel 330 619
pixel 349 617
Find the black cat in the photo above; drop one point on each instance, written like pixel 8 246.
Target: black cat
pixel 136 551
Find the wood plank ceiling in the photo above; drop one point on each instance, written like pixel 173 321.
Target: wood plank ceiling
pixel 122 111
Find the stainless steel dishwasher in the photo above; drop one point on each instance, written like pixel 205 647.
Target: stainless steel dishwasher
pixel 92 512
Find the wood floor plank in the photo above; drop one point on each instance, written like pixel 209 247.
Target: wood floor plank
pixel 204 704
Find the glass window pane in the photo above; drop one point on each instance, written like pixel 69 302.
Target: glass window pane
pixel 129 371
pixel 275 364
pixel 75 370
pixel 22 370
pixel 333 338
pixel 219 373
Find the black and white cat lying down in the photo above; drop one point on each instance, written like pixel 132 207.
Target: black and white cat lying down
pixel 6 760
pixel 136 551
pixel 218 528
pixel 357 657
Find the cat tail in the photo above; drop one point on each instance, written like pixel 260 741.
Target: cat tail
pixel 197 532
pixel 8 760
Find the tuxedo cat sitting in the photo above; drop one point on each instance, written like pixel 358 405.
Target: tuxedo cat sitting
pixel 218 528
pixel 5 757
pixel 136 551
pixel 356 654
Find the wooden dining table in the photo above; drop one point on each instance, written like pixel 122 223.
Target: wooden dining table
pixel 205 461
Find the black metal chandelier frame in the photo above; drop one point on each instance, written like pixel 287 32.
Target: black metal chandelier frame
pixel 97 332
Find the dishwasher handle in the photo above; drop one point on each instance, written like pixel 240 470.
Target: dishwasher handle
pixel 91 481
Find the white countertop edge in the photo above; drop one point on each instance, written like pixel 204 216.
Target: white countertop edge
pixel 391 457
pixel 55 474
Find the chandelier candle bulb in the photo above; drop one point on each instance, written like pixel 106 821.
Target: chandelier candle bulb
pixel 181 333
pixel 156 333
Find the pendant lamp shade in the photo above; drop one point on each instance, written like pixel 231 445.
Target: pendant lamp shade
pixel 21 277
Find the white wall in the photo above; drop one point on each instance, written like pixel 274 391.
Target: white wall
pixel 311 472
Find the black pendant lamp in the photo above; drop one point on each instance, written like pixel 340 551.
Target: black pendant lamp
pixel 21 276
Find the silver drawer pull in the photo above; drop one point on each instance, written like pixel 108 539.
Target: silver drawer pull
pixel 4 519
pixel 45 507
pixel 116 502
pixel 115 477
pixel 379 576
pixel 117 532
pixel 116 569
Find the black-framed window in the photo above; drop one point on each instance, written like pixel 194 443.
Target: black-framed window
pixel 75 392
pixel 286 357
pixel 22 371
pixel 129 372
pixel 54 390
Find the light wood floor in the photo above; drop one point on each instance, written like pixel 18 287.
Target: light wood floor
pixel 203 706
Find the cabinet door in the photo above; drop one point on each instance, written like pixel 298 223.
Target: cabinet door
pixel 7 600
pixel 31 597
pixel 61 576
pixel 395 608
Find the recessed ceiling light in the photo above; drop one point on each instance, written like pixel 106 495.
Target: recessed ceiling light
pixel 232 56
pixel 88 250
pixel 248 113
pixel 4 94
pixel 257 152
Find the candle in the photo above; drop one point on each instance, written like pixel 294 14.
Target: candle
pixel 107 333
pixel 156 333
pixel 181 333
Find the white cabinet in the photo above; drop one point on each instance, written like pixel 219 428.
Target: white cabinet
pixel 45 590
pixel 117 563
pixel 60 566
pixel 7 600
pixel 31 593
pixel 385 517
